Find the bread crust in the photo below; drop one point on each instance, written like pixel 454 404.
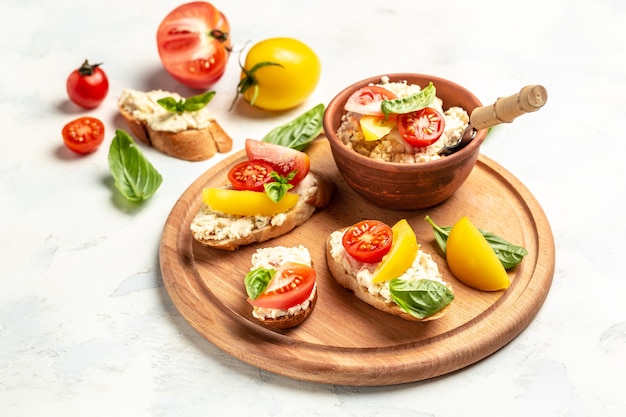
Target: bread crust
pixel 190 145
pixel 299 214
pixel 349 282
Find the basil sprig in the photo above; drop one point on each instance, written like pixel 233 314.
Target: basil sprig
pixel 277 189
pixel 135 177
pixel 298 133
pixel 421 298
pixel 509 254
pixel 257 280
pixel 417 101
pixel 194 103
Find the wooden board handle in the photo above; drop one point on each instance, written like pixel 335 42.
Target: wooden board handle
pixel 529 99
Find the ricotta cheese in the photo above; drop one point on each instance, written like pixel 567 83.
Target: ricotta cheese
pixel 143 106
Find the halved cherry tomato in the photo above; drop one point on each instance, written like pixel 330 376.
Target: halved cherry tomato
pixel 422 127
pixel 88 85
pixel 283 159
pixel 194 44
pixel 292 285
pixel 250 175
pixel 367 100
pixel 83 135
pixel 368 240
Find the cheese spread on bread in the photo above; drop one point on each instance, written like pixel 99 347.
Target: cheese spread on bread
pixel 143 106
pixel 424 267
pixel 272 258
pixel 214 225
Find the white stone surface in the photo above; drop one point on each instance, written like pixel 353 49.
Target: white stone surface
pixel 86 326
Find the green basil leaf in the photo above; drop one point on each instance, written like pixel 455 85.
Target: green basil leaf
pixel 510 255
pixel 277 189
pixel 170 104
pixel 198 102
pixel 135 177
pixel 300 132
pixel 257 280
pixel 421 298
pixel 417 101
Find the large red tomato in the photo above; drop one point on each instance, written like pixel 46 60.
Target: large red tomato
pixel 283 159
pixel 194 44
pixel 292 285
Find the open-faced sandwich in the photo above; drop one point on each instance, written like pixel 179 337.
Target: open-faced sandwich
pixel 182 128
pixel 385 267
pixel 281 286
pixel 267 196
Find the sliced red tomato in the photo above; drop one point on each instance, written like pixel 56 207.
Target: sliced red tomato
pixel 367 100
pixel 368 240
pixel 83 135
pixel 292 285
pixel 194 44
pixel 284 160
pixel 250 175
pixel 422 127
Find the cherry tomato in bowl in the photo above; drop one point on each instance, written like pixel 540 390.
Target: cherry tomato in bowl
pixel 88 85
pixel 367 100
pixel 368 240
pixel 83 135
pixel 194 44
pixel 279 74
pixel 291 285
pixel 422 127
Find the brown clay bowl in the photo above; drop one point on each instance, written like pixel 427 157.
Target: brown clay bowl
pixel 404 186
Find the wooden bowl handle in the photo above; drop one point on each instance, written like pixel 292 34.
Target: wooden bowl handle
pixel 529 99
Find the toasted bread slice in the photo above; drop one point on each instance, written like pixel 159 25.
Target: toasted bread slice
pixel 192 137
pixel 274 257
pixel 223 231
pixel 344 271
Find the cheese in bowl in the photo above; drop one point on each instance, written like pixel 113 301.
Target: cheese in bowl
pixel 400 122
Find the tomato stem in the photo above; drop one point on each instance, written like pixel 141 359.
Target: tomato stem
pixel 87 68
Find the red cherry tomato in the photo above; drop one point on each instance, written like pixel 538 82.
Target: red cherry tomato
pixel 292 285
pixel 368 240
pixel 194 44
pixel 367 100
pixel 88 85
pixel 250 175
pixel 83 135
pixel 283 159
pixel 422 127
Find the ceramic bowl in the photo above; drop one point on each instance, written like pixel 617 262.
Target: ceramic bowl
pixel 403 186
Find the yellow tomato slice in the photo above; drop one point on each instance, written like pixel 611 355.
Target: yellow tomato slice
pixel 246 203
pixel 375 127
pixel 472 260
pixel 401 255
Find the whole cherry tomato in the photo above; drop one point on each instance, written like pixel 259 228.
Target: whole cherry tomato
pixel 83 135
pixel 194 44
pixel 88 85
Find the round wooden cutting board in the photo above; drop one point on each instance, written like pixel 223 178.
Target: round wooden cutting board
pixel 345 341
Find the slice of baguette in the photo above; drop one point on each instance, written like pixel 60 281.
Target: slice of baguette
pixel 223 231
pixel 138 109
pixel 344 271
pixel 273 258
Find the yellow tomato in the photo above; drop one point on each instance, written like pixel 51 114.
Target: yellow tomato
pixel 246 203
pixel 282 86
pixel 472 260
pixel 375 127
pixel 401 255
